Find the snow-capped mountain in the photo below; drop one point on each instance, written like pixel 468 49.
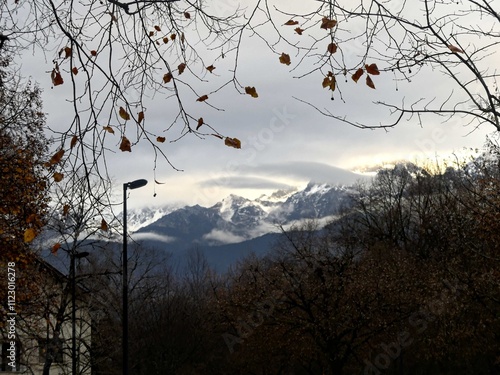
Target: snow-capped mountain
pixel 236 219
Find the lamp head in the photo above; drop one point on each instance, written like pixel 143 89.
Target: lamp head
pixel 135 184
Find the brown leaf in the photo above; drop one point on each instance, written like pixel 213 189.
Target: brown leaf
pixel 356 76
pixel 104 225
pixel 167 77
pixel 251 91
pixel 29 235
pixel 58 177
pixel 109 129
pixel 299 31
pixel 74 70
pixel 125 145
pixel 183 38
pixel 67 52
pixel 372 69
pixel 56 158
pixel 93 52
pixel 66 210
pixel 157 28
pixel 74 140
pixel 54 249
pixel 200 123
pixel 160 139
pixel 140 117
pixel 232 142
pixel 56 77
pixel 124 114
pixel 151 33
pixel 332 48
pixel 187 15
pixel 285 59
pixel 369 82
pixel 202 98
pixel 210 68
pixel 455 49
pixel 327 23
pixel 291 23
pixel 173 36
pixel 181 67
pixel 165 39
pixel 329 81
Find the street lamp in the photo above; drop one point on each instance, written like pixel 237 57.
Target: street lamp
pixel 129 185
pixel 74 255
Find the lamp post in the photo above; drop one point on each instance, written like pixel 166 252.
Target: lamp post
pixel 74 255
pixel 129 185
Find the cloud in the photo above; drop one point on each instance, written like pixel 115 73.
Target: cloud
pixel 244 182
pixel 152 236
pixel 224 237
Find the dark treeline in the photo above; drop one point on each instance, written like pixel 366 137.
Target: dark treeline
pixel 407 281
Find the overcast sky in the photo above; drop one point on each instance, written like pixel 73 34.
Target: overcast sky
pixel 285 143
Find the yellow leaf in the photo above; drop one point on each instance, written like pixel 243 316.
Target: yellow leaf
pixel 327 23
pixel 232 142
pixel 109 129
pixel 160 139
pixel 125 145
pixel 124 114
pixel 202 98
pixel 104 225
pixel 285 59
pixel 369 82
pixel 167 77
pixel 29 235
pixel 58 177
pixel 251 91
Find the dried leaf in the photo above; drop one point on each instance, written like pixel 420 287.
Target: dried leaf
pixel 372 69
pixel 58 177
pixel 125 145
pixel 251 91
pixel 327 23
pixel 157 28
pixel 187 15
pixel 200 123
pixel 455 48
pixel 181 67
pixel 369 82
pixel 66 210
pixel 160 139
pixel 210 68
pixel 165 39
pixel 329 81
pixel 332 48
pixel 151 33
pixel 124 114
pixel 104 225
pixel 285 59
pixel 173 36
pixel 232 142
pixel 56 77
pixel 56 158
pixel 67 52
pixel 29 235
pixel 202 98
pixel 291 23
pixel 109 129
pixel 356 76
pixel 167 77
pixel 140 117
pixel 183 38
pixel 74 70
pixel 54 249
pixel 93 52
pixel 299 31
pixel 74 140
